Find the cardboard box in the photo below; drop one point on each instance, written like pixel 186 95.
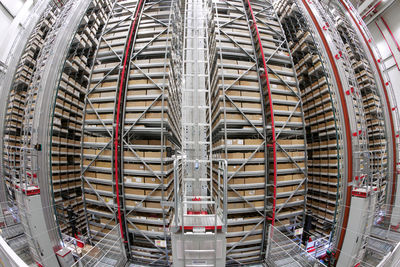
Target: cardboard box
pixel 255 180
pixel 235 229
pixel 235 205
pixel 154 205
pixel 254 192
pixel 134 191
pixel 257 167
pixel 251 226
pixel 249 142
pixel 104 176
pixel 134 203
pixel 107 188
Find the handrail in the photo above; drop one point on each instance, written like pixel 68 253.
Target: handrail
pixel 385 87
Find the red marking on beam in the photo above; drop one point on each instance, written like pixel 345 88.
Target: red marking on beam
pixel 270 106
pixel 118 113
pixel 386 98
pixel 390 49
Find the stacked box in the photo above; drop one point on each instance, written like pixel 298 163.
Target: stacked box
pixel 241 128
pixel 68 116
pixel 150 128
pixel 322 124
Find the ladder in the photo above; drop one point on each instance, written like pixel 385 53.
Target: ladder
pixel 199 238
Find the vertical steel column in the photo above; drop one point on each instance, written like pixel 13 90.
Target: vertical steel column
pixel 119 123
pixel 392 113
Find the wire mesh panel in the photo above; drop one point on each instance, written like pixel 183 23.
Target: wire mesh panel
pixel 282 251
pixel 107 252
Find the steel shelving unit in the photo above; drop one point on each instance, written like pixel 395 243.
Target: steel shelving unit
pixel 222 126
pixel 253 79
pixel 323 125
pixel 385 89
pixel 33 186
pixel 131 126
pixel 372 103
pixel 12 133
pixel 67 119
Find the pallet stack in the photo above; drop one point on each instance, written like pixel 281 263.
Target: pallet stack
pixel 372 104
pixel 150 128
pixel 13 128
pixel 322 123
pixel 242 128
pixel 68 116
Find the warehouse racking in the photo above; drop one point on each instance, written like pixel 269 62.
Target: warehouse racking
pixel 67 120
pixel 127 170
pixel 244 118
pixel 371 103
pixel 385 88
pixel 324 136
pixel 266 158
pixel 351 119
pixel 13 128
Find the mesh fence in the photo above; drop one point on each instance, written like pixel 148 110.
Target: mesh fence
pixel 107 252
pixel 282 251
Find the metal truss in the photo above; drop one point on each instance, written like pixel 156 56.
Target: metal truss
pixel 120 140
pixel 300 34
pixel 230 103
pixel 385 89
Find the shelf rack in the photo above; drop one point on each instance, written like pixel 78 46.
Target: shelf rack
pixel 13 127
pixel 34 184
pixel 131 126
pixel 385 87
pixel 324 139
pixel 67 119
pixel 253 76
pixel 372 103
pixel 356 167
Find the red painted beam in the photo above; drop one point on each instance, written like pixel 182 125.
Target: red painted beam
pixel 346 123
pixel 387 27
pixel 383 82
pixel 270 106
pixel 116 147
pixel 390 49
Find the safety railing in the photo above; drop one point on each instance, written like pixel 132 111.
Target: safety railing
pixel 109 251
pixel 282 251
